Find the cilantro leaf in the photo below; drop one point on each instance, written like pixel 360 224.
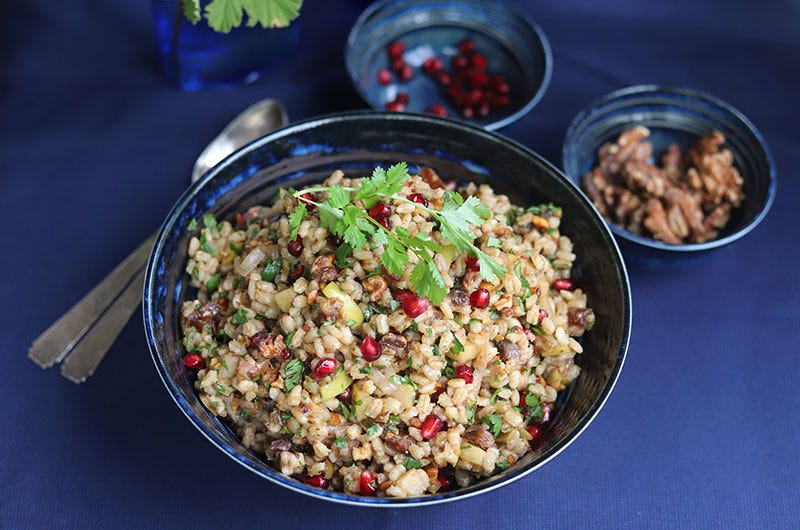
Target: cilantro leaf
pixel 338 197
pixel 490 269
pixel 295 218
pixel 495 423
pixel 271 270
pixel 534 405
pixel 427 281
pixel 341 254
pixel 412 463
pixel 213 283
pixel 209 221
pixel 394 257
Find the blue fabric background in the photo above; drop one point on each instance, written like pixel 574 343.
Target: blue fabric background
pixel 701 431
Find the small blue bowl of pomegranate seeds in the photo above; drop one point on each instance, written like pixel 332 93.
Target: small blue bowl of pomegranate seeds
pixel 478 61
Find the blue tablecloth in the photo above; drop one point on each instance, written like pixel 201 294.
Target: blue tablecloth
pixel 701 431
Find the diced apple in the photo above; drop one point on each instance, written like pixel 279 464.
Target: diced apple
pixel 472 454
pixel 283 299
pixel 448 251
pixel 336 386
pixel 471 350
pixel 350 310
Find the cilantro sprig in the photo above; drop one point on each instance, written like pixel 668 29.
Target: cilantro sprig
pixel 344 213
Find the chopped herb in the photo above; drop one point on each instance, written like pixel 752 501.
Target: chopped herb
pixel 412 463
pixel 224 364
pixel 374 309
pixel 350 323
pixel 522 279
pixel 395 380
pixel 474 321
pixel 341 442
pixel 436 351
pixel 550 231
pixel 502 465
pixel 471 411
pixel 346 412
pixel 394 304
pixel 236 249
pixel 590 324
pixel 391 425
pixel 219 388
pixel 328 323
pixel 262 318
pixel 289 337
pixel 449 372
pixel 341 254
pixel 209 221
pixel 195 274
pixel 536 329
pixel 414 325
pixel 271 270
pixel 192 225
pixel 534 405
pixel 366 370
pixel 494 242
pixel 240 317
pixel 495 423
pixel 244 415
pixel 372 430
pixel 204 246
pixel 429 331
pixel 457 348
pixel 545 210
pixel 213 283
pixel 494 395
pixel 292 374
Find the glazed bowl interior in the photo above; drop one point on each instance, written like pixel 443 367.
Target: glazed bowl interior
pixel 513 46
pixel 308 152
pixel 674 115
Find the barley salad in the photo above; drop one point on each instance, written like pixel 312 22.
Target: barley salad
pixel 385 336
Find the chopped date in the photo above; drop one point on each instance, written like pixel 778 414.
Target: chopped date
pixel 323 269
pixel 208 314
pixel 280 445
pixel 578 319
pixel 397 443
pixel 479 435
pixel 391 342
pixel 459 297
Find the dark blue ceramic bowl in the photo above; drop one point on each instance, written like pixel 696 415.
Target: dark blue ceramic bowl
pixel 513 45
pixel 307 153
pixel 674 115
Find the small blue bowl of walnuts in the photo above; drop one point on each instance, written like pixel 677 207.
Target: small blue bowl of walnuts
pixel 675 172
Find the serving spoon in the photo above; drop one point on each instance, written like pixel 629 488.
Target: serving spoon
pixel 85 333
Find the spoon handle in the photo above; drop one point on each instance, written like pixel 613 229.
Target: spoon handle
pixel 66 332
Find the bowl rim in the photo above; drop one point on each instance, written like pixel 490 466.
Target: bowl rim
pixel 148 314
pixel 687 248
pixel 535 29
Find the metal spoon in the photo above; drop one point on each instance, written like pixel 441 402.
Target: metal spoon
pixel 85 333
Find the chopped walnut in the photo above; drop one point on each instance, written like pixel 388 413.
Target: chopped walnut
pixel 391 342
pixel 688 199
pixel 323 269
pixel 376 286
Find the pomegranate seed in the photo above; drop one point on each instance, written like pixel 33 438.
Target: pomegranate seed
pixel 418 198
pixel 543 314
pixel 477 79
pixel 564 284
pixel 478 61
pixel 479 298
pixel 367 483
pixel 501 101
pixel 384 76
pixel 467 112
pixel 395 106
pixel 472 264
pixel 380 210
pixel 193 361
pixel 460 62
pixel 475 96
pixel 443 77
pixel 483 109
pixel 446 477
pixel 324 367
pixel 308 200
pixel 395 49
pixel 431 425
pixel 413 305
pixel 318 481
pixel 496 80
pixel 522 403
pixel 390 276
pixel 438 110
pixel 502 88
pixel 296 273
pixel 285 354
pixel 466 46
pixel 345 396
pixel 398 65
pixel 534 431
pixel 295 247
pixel 370 349
pixel 405 73
pixel 334 240
pixel 386 223
pixel 402 97
pixel 464 372
pixel 432 65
